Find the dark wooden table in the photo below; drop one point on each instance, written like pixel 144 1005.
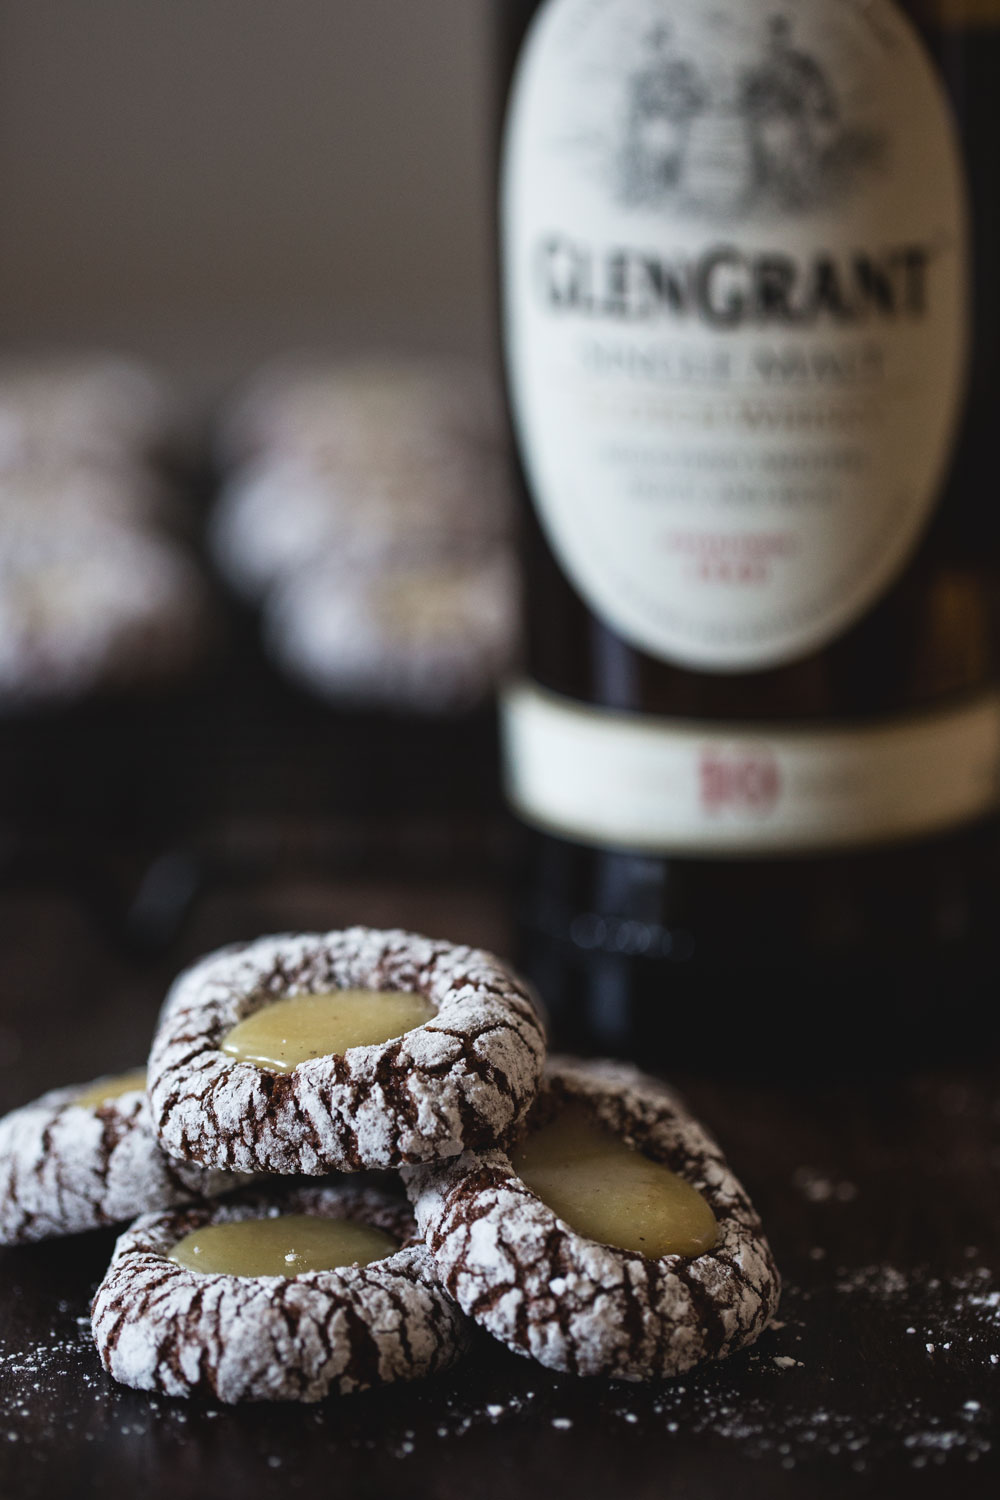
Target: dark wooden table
pixel 881 1198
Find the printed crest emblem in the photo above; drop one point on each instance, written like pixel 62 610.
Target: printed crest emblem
pixel 766 131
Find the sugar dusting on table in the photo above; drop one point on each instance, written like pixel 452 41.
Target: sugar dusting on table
pixel 747 1401
pixel 28 1370
pixel 773 1403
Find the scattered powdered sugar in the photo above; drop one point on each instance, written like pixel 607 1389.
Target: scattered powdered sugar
pixel 777 1407
pixel 806 1395
pixel 816 1187
pixel 961 1311
pixel 882 1282
pixel 31 1372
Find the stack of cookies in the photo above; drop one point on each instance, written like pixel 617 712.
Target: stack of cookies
pixel 95 594
pixel 295 1088
pixel 368 511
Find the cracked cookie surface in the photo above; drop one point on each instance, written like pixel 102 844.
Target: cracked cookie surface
pixel 161 1327
pixel 584 1307
pixel 463 1080
pixel 67 1167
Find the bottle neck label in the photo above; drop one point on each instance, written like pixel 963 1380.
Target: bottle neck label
pixel 734 243
pixel 671 787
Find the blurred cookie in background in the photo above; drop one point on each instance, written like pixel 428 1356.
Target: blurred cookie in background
pixel 52 492
pixel 318 409
pixel 82 408
pixel 417 502
pixel 97 607
pixel 430 639
pixel 96 594
pixel 371 517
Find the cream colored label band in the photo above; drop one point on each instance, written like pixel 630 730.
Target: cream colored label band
pixel 676 787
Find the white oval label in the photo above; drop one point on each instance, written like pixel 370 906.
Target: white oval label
pixel 735 241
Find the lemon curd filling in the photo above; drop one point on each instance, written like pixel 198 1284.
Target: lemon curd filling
pixel 609 1192
pixel 291 1031
pixel 288 1245
pixel 111 1088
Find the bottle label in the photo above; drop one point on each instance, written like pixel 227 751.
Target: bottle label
pixel 735 241
pixel 670 787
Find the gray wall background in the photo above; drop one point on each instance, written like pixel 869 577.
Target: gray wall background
pixel 210 181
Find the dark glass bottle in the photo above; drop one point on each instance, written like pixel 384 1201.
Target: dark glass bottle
pixel 742 247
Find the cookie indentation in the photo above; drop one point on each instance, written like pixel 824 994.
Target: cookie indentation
pixel 106 1089
pixel 606 1190
pixel 161 1326
pixel 300 1027
pixel 521 1267
pixel 283 1245
pixel 464 1079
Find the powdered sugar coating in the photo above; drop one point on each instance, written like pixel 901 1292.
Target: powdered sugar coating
pixel 95 605
pixel 87 407
pixel 463 1080
pixel 436 638
pixel 54 495
pixel 161 1327
pixel 66 1168
pixel 358 409
pixel 580 1306
pixel 277 516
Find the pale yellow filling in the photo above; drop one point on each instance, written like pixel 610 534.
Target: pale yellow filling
pixel 609 1192
pixel 292 1030
pixel 111 1088
pixel 287 1246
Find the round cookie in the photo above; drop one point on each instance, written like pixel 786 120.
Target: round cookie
pixel 89 406
pixel 161 1327
pixel 48 496
pixel 462 1080
pixel 431 639
pixel 578 1305
pixel 71 1162
pixel 310 407
pixel 422 502
pixel 87 608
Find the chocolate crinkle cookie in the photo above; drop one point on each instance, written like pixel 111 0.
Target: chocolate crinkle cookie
pixel 97 607
pixel 436 639
pixel 89 407
pixel 461 1078
pixel 359 410
pixel 574 1304
pixel 162 1326
pixel 85 1157
pixel 413 509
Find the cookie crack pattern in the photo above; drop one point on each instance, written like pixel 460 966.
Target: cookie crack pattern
pixel 68 1168
pixel 583 1307
pixel 161 1327
pixel 466 1078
